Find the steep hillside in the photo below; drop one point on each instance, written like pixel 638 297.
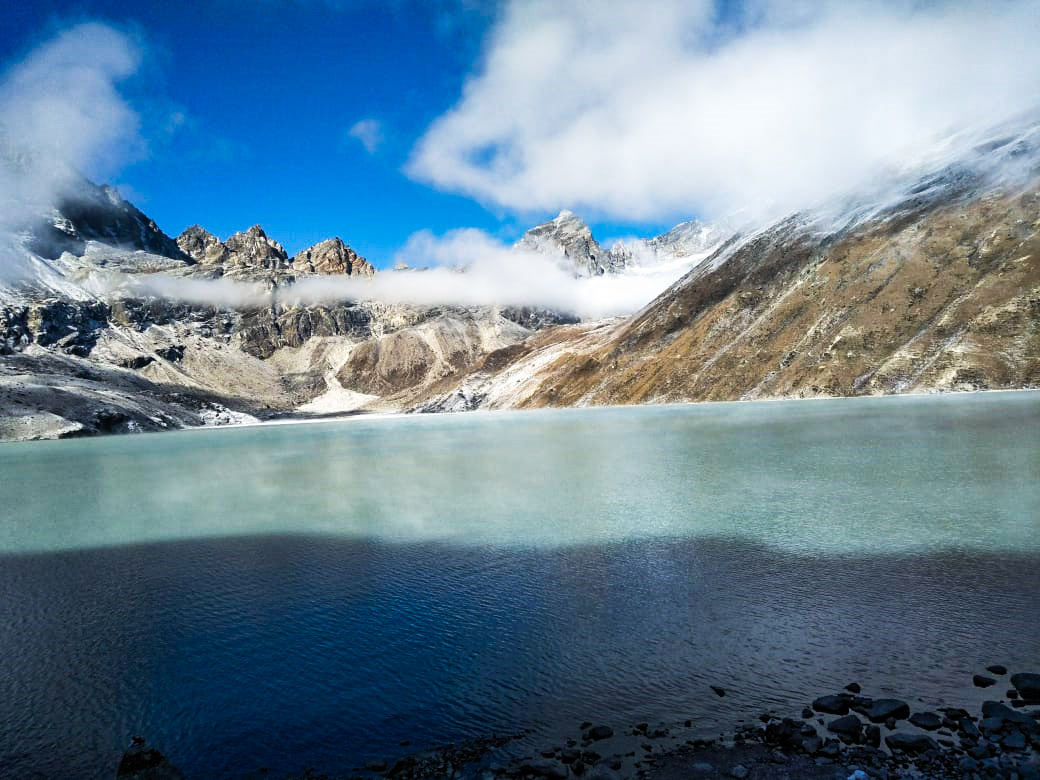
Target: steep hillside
pixel 933 294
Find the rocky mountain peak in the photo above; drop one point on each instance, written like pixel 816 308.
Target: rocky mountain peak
pixel 688 238
pixel 568 237
pixel 87 212
pixel 254 249
pixel 202 246
pixel 332 257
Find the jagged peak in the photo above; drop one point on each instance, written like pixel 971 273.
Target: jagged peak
pixel 332 256
pixel 195 230
pixel 257 231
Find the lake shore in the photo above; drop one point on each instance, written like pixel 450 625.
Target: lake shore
pixel 842 736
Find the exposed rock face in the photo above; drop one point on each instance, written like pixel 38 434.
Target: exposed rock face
pixel 253 249
pixel 332 257
pixel 570 239
pixel 88 212
pixel 249 254
pixel 412 361
pixel 264 331
pixel 202 246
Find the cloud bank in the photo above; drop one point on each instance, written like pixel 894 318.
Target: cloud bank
pixel 685 107
pixel 463 267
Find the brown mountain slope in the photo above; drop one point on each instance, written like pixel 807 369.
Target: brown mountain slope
pixel 938 298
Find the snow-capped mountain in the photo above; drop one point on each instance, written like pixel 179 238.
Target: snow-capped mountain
pixel 569 239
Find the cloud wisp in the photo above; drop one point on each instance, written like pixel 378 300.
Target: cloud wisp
pixel 649 114
pixel 369 132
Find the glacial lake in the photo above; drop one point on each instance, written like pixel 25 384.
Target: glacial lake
pixel 312 595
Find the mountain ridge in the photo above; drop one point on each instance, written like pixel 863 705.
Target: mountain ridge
pixel 933 284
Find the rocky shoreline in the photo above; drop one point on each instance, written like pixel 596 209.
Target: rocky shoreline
pixel 841 736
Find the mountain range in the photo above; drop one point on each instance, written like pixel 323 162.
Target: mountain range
pixel 930 283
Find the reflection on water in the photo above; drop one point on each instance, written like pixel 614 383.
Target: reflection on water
pixel 324 592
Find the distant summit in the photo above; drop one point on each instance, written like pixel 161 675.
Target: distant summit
pixel 252 253
pixel 332 257
pixel 568 238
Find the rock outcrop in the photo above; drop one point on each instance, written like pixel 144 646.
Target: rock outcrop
pixel 569 239
pixel 332 257
pixel 202 246
pixel 88 212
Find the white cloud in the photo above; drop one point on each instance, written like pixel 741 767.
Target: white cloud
pixel 494 274
pixel 61 115
pixel 651 112
pixel 369 132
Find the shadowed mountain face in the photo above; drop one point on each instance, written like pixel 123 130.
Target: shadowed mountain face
pixel 90 213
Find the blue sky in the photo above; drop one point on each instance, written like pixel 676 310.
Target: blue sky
pixel 496 115
pixel 246 109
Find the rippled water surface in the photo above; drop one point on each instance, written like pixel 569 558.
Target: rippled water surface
pixel 311 595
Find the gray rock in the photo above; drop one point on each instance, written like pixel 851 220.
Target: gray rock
pixel 885 709
pixel 597 733
pixel 332 257
pixel 570 755
pixel 911 743
pixel 998 669
pixel 1027 684
pixel 928 721
pixel 1016 740
pixel 872 736
pixel 832 705
pixel 739 771
pixel 850 725
pixel 981 681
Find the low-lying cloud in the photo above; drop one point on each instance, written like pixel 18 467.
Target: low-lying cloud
pixel 678 108
pixel 464 267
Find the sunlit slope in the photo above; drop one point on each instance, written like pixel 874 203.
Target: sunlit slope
pixel 941 297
